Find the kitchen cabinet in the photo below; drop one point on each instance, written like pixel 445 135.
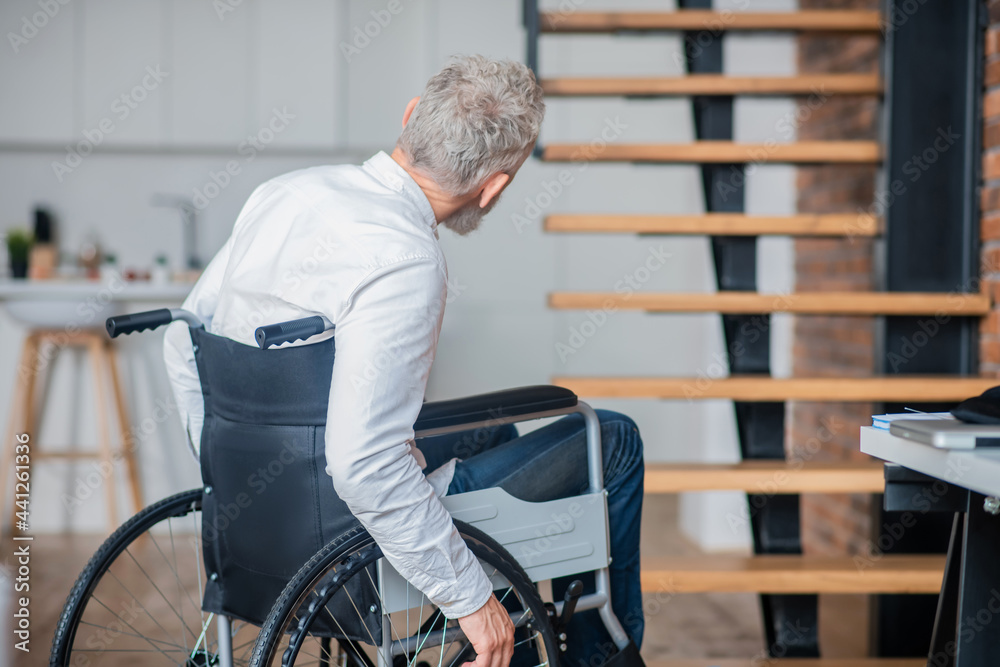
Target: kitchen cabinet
pixel 37 46
pixel 388 66
pixel 125 76
pixel 212 54
pixel 299 68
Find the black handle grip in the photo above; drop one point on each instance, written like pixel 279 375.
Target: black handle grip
pixel 573 593
pixel 285 332
pixel 126 324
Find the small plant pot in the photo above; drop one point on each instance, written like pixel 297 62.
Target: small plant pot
pixel 19 268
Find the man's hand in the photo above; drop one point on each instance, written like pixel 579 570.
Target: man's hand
pixel 491 633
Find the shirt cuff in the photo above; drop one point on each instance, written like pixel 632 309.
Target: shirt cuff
pixel 440 479
pixel 475 588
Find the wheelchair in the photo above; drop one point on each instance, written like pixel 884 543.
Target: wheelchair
pixel 264 564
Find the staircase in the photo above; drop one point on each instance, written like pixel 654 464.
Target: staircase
pixel 786 580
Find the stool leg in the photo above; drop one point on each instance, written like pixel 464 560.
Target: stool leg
pixel 95 346
pixel 128 445
pixel 23 403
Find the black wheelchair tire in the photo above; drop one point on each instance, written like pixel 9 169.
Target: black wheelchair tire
pixel 178 505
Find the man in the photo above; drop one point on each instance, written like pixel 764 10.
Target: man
pixel 359 246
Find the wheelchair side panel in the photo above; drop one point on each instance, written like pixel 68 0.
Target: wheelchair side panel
pixel 549 539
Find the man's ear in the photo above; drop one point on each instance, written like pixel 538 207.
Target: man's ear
pixel 409 110
pixel 494 186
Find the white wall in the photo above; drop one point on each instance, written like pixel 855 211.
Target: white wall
pixel 227 74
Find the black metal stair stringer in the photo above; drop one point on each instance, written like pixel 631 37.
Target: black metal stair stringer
pixel 790 621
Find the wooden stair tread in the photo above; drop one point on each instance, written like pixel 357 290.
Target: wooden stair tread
pixel 817 303
pixel 767 477
pixel 717 84
pixel 700 152
pixel 755 661
pixel 693 19
pixel 792 574
pixel 895 389
pixel 719 224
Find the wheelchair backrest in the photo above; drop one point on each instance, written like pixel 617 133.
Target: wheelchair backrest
pixel 268 504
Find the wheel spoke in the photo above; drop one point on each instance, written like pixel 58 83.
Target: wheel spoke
pixel 201 637
pixel 198 555
pixel 155 587
pixel 173 569
pixel 382 603
pixel 138 602
pixel 246 646
pixel 420 646
pixel 420 624
pixel 360 616
pixel 128 634
pixel 458 654
pixel 131 650
pixel 444 631
pixel 180 586
pixel 131 627
pixel 334 618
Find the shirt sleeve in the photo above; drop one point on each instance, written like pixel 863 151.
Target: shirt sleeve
pixel 385 344
pixel 178 353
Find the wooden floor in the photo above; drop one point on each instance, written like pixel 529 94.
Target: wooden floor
pixel 682 626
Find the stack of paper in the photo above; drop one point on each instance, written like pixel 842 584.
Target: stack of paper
pixel 881 422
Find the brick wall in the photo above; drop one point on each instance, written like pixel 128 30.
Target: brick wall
pixel 835 346
pixel 989 343
pixel 828 346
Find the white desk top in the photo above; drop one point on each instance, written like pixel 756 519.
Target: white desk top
pixel 978 469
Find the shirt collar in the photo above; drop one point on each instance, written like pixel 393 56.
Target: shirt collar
pixel 387 170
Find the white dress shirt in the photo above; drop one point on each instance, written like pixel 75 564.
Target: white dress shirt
pixel 359 246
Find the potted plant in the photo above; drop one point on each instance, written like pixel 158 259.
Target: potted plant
pixel 18 246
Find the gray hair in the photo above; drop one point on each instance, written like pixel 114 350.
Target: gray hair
pixel 477 117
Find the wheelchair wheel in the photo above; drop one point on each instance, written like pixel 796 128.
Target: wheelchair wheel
pixel 138 601
pixel 344 576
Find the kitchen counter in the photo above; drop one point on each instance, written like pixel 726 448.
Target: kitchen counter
pixel 82 303
pixel 116 290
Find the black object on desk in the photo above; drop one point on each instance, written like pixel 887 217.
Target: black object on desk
pixel 982 409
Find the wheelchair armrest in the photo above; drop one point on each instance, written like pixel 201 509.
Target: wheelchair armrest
pixel 495 407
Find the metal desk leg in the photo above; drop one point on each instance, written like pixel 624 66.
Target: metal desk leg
pixel 979 592
pixel 942 651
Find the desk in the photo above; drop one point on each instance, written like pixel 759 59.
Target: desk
pixel 967 625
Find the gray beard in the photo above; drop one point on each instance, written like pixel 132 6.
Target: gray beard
pixel 467 218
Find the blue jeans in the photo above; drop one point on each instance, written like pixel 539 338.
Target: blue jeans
pixel 551 463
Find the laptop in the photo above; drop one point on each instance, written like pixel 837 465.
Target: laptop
pixel 947 433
